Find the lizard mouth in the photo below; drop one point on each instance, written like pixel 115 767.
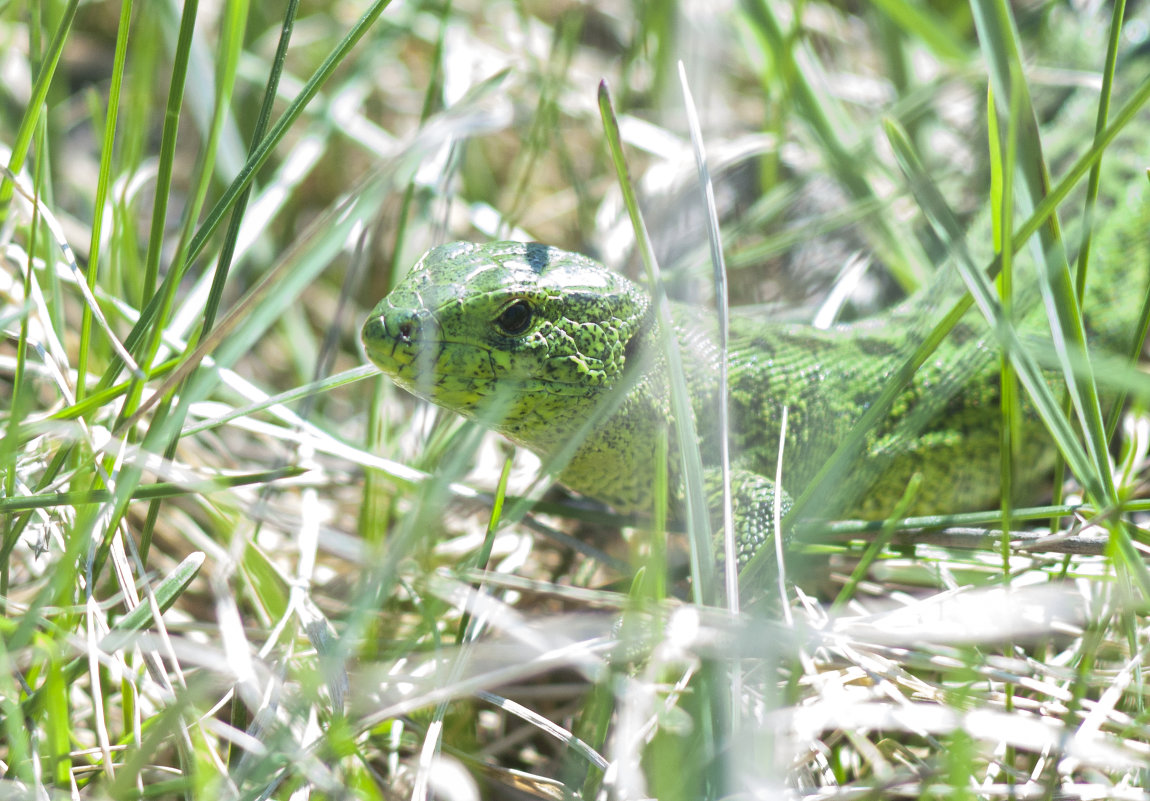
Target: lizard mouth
pixel 456 375
pixel 396 347
pixel 423 368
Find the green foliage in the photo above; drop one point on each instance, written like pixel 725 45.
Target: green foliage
pixel 232 568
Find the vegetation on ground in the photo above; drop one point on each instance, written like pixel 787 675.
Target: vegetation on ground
pixel 237 563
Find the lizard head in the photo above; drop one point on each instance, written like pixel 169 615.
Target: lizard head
pixel 516 335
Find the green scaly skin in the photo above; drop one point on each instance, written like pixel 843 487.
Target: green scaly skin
pixel 535 342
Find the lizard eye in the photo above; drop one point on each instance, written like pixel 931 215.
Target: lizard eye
pixel 516 318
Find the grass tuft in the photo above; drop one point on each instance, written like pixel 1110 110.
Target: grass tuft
pixel 236 563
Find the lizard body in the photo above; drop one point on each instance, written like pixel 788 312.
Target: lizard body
pixel 549 347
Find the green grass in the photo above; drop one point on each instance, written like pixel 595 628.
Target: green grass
pixel 236 563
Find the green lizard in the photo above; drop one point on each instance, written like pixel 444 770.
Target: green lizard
pixel 532 341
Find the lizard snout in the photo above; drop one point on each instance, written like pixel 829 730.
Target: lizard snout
pixel 394 326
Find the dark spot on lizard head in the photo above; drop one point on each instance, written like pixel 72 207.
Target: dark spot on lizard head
pixel 537 256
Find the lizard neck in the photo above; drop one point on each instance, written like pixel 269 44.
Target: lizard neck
pixel 620 447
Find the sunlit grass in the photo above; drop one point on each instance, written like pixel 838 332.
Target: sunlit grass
pixel 237 563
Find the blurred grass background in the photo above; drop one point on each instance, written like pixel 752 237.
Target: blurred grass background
pixel 235 563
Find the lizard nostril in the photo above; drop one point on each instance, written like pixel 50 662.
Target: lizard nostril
pixel 403 324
